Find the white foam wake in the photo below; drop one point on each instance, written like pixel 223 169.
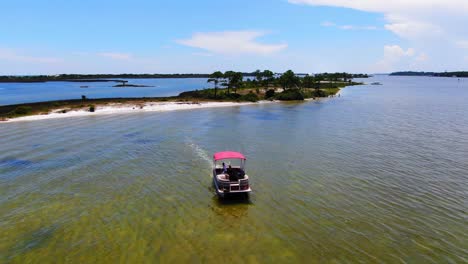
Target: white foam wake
pixel 200 152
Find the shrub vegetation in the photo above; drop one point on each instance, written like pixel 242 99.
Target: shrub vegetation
pixel 290 95
pixel 250 97
pixel 23 110
pixel 269 94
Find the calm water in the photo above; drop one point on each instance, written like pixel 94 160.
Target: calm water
pixel 15 93
pixel 376 175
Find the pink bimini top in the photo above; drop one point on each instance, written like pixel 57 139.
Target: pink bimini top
pixel 228 155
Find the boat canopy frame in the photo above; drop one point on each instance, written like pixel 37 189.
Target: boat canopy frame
pixel 228 155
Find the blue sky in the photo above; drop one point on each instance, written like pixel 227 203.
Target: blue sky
pixel 143 36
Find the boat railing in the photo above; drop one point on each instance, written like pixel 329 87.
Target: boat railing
pixel 239 185
pixel 244 184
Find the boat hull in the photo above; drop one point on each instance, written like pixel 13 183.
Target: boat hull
pixel 228 189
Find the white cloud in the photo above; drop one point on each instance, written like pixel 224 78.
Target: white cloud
pixel 422 57
pixel 203 54
pixel 433 26
pixel 462 44
pixel 116 55
pixel 390 6
pixel 347 27
pixel 80 53
pixel 232 43
pixel 409 18
pixel 411 29
pixel 395 57
pixel 395 52
pixel 15 56
pixel 353 27
pixel 327 24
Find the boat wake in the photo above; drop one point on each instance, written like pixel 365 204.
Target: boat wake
pixel 200 152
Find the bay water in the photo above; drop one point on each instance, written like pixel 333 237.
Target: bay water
pixel 379 174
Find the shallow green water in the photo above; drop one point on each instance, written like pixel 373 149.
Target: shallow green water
pixel 376 175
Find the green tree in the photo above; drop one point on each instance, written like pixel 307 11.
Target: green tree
pixel 216 77
pixel 268 78
pixel 258 76
pixel 235 80
pixel 308 81
pixel 228 75
pixel 318 79
pixel 344 76
pixel 289 80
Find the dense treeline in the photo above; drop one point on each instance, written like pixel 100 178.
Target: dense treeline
pixel 268 85
pixel 112 77
pixel 435 74
pixel 101 77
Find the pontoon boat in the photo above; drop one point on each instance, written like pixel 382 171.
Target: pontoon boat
pixel 229 173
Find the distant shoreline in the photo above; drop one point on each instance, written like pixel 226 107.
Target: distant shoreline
pixel 456 74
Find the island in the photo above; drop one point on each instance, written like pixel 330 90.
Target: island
pixel 228 88
pixel 456 74
pixel 124 83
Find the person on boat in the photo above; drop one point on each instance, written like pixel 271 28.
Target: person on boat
pixel 224 167
pixel 232 174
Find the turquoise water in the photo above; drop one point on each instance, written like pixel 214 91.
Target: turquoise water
pixel 16 93
pixel 376 175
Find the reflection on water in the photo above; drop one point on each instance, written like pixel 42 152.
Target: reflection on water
pixel 377 175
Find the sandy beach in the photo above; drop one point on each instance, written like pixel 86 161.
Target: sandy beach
pixel 129 108
pixel 123 108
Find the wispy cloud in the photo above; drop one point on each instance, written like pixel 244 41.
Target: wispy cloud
pixel 14 55
pixel 384 6
pixel 116 55
pixel 327 24
pixel 408 19
pixel 203 54
pixel 353 27
pixel 462 44
pixel 422 57
pixel 347 27
pixel 395 51
pixel 397 58
pixel 412 29
pixel 232 43
pixel 80 53
pixel 434 26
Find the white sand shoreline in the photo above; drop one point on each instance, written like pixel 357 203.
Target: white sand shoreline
pixel 117 108
pixel 125 108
